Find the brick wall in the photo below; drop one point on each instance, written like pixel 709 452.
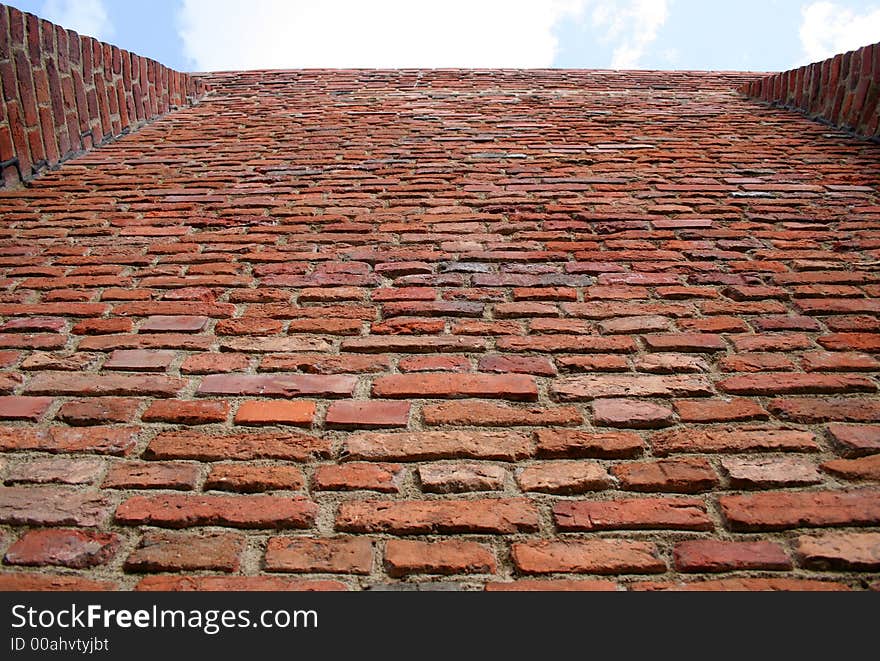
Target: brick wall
pixel 64 93
pixel 843 90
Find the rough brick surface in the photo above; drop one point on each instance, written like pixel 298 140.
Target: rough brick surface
pixel 519 330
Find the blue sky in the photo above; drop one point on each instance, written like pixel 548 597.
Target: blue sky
pixel 203 35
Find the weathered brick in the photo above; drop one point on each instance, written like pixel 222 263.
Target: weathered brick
pixel 352 476
pixel 772 342
pixel 855 440
pixel 487 414
pixel 579 388
pixel 593 556
pixel 404 344
pixel 731 439
pixel 781 510
pixel 247 478
pixel 690 475
pixel 709 555
pixel 434 363
pixel 769 472
pixel 460 476
pixel 756 362
pixel 671 363
pixel 59 470
pixel 405 557
pixel 278 385
pixel 419 446
pixel 53 506
pixel 182 511
pixel 317 364
pixel 139 360
pixel 516 364
pixel 627 325
pixel 98 410
pixel 631 414
pixel 176 551
pixel 822 409
pixel 172 583
pixel 99 440
pixel 416 517
pixel 552 585
pixel 744 585
pixel 567 343
pixel 573 444
pixel 632 514
pixel 564 477
pixel 281 412
pixel 63 547
pixel 334 555
pixel 214 363
pixel 842 551
pixel 843 361
pixel 594 363
pixel 504 386
pixel 24 408
pixel 31 582
pixel 96 385
pixel 186 412
pixel 685 342
pixel 214 447
pixel 151 475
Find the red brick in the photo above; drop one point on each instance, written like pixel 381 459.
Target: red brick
pixel 277 385
pixel 171 310
pixel 731 439
pixel 65 548
pixel 171 583
pixel 719 410
pixel 851 342
pixel 369 414
pixel 564 477
pixel 669 363
pixel 316 364
pixel 631 414
pixel 709 555
pixel 862 468
pixel 173 324
pixel 471 327
pixel 632 514
pixel 151 475
pixel 175 551
pixel 96 385
pixel 246 478
pixel 98 440
pixel 181 511
pixel 9 382
pixel 769 472
pixel 31 582
pixel 405 557
pixel 24 408
pixel 283 412
pixel 420 446
pixel 273 344
pixel 718 324
pixel 851 551
pixel 822 409
pixel 772 342
pixel 416 517
pixel 244 446
pixel 778 384
pixel 628 325
pixel 186 412
pixel 52 506
pixel 567 344
pixel 334 555
pixel 487 414
pixel 578 388
pixel 690 475
pixel 214 363
pixel 593 556
pixel 782 510
pixel 248 326
pixel 405 344
pixel 461 476
pixel 98 410
pixel 572 444
pixel 756 362
pixel 352 476
pixel 408 326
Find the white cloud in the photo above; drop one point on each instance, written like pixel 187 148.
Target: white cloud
pixel 632 25
pixel 828 29
pixel 265 34
pixel 88 17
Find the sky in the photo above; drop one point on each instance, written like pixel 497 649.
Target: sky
pixel 215 35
